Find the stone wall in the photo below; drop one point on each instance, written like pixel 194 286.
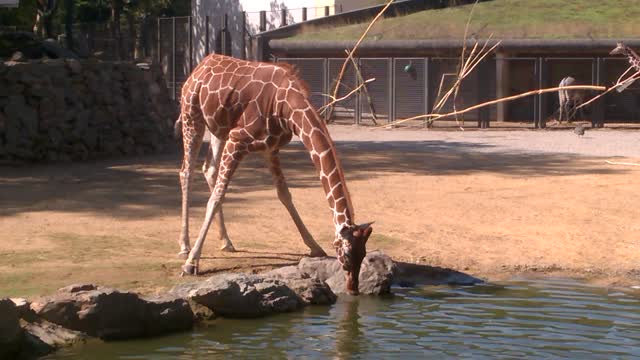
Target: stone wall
pixel 61 110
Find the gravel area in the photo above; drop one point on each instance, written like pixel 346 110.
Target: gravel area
pixel 595 143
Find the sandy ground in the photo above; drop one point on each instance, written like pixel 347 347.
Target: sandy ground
pixel 493 204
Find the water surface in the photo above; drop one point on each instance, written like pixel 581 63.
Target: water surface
pixel 519 319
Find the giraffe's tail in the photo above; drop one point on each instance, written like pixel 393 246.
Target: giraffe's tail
pixel 177 129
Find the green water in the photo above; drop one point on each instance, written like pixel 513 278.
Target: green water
pixel 550 319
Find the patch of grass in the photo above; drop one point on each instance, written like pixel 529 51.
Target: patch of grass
pixel 506 19
pixel 82 248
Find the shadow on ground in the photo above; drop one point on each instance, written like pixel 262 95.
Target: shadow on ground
pixel 149 186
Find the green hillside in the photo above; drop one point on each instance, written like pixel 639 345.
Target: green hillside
pixel 506 19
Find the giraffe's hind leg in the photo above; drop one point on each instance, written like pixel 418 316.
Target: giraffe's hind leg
pixel 284 195
pixel 210 169
pixel 192 134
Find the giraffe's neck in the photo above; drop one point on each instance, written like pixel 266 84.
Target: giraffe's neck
pixel 315 136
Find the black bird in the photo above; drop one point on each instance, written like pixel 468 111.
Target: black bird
pixel 579 130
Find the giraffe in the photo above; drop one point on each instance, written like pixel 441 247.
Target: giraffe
pixel 257 107
pixel 632 56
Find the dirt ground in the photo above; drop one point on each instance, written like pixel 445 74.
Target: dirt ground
pixel 490 204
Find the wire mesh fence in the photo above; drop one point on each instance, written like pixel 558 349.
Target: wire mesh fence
pixel 408 87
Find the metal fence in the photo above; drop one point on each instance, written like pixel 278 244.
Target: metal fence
pixel 407 87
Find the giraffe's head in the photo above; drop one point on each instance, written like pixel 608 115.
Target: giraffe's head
pixel 620 49
pixel 351 249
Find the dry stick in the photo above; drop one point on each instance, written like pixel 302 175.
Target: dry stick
pixel 492 102
pixel 471 65
pixel 350 55
pixel 615 86
pixel 462 66
pixel 334 100
pixel 621 163
pixel 472 62
pixel 366 91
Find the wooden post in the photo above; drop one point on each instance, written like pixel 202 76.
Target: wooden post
pixel 283 17
pixel 243 37
pixel 304 14
pixel 190 41
pixel 223 36
pixel 159 50
pixel 502 85
pixel 263 21
pixel 173 57
pixel 206 35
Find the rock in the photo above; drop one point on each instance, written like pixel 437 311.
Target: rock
pixel 42 337
pixel 376 273
pixel 10 330
pixel 18 56
pixel 311 290
pixel 167 315
pixel 74 66
pixel 53 50
pixel 408 274
pixel 241 295
pixel 111 314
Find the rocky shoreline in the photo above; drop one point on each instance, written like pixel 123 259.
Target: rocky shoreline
pixel 29 329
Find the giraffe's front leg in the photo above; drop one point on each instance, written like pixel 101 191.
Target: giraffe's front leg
pixel 233 153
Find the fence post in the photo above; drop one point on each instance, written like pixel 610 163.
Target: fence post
pixel 540 122
pixel 283 17
pixel 190 34
pixel 427 78
pixel 263 21
pixel 357 108
pixel 223 35
pixel 597 117
pixel 391 116
pixel 159 51
pixel 206 35
pixel 243 38
pixel 326 11
pixel 173 57
pixel 304 14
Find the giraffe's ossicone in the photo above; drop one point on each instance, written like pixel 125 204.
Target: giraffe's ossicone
pixel 258 107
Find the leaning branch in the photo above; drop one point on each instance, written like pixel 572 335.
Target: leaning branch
pixel 493 102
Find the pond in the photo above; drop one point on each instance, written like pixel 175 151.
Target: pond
pixel 517 319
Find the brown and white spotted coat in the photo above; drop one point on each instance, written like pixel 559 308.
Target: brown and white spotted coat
pixel 258 107
pixel 632 56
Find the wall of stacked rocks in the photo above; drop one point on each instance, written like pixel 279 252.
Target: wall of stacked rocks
pixel 63 110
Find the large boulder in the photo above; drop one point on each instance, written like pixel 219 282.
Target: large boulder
pixel 111 314
pixel 311 290
pixel 10 331
pixel 376 273
pixel 43 337
pixel 408 274
pixel 241 295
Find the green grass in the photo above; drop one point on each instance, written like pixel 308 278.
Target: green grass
pixel 506 19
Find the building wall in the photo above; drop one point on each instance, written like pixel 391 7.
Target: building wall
pixel 234 10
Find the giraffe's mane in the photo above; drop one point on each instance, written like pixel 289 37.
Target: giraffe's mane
pixel 294 72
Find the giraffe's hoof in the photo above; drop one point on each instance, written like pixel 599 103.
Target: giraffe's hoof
pixel 189 269
pixel 228 248
pixel 317 253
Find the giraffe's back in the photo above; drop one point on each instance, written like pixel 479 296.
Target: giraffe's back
pixel 238 98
